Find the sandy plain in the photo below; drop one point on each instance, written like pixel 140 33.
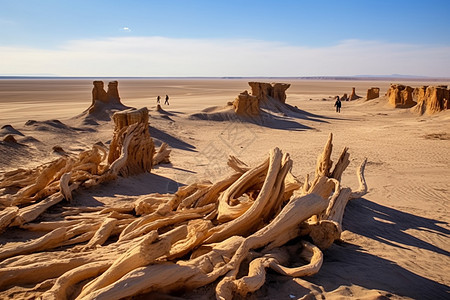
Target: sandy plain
pixel 396 243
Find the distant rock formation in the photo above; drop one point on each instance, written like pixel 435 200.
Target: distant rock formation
pixel 344 97
pixel 262 90
pixel 373 93
pixel 401 96
pixel 353 95
pixel 431 99
pixel 246 104
pixel 113 92
pixel 102 100
pixel 262 94
pixel 98 92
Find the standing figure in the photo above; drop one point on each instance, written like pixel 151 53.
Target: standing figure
pixel 167 100
pixel 338 104
pixel 158 99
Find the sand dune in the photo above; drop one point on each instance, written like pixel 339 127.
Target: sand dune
pixel 396 239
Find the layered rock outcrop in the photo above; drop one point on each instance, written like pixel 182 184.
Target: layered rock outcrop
pixel 373 93
pixel 262 93
pixel 263 90
pixel 431 99
pixel 113 92
pixel 400 95
pixel 98 92
pixel 246 104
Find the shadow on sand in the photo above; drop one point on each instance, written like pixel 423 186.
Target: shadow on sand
pixel 392 225
pixel 172 141
pixel 276 116
pixel 347 264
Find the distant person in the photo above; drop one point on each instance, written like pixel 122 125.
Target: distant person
pixel 167 100
pixel 338 104
pixel 158 99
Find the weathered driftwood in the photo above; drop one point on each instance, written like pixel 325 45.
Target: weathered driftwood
pixel 131 143
pixel 162 156
pixel 248 216
pixel 131 152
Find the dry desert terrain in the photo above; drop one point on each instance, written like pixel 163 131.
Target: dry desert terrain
pixel 395 242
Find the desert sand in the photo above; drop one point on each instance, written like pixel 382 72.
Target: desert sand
pixel 396 238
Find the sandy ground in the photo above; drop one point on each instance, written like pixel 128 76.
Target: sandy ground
pixel 396 241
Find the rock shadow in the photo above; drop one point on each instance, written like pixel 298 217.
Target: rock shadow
pixel 171 140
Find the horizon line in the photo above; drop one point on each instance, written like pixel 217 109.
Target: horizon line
pixel 338 77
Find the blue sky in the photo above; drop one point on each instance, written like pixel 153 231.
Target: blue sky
pixel 224 38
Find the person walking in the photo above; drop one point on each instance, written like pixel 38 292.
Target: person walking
pixel 338 104
pixel 158 99
pixel 167 100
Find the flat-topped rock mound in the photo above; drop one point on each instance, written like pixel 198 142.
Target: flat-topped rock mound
pixel 267 101
pixel 423 99
pixel 401 96
pixel 431 99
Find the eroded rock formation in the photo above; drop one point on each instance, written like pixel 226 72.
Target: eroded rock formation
pixel 262 90
pixel 353 95
pixel 113 92
pixel 102 100
pixel 98 92
pixel 344 97
pixel 246 105
pixel 262 93
pixel 401 96
pixel 373 93
pixel 431 99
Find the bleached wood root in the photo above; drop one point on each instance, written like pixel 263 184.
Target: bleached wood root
pixel 341 164
pixel 165 221
pixel 64 186
pixel 47 226
pixel 162 155
pixel 237 164
pixel 362 181
pixel 214 190
pixel 311 253
pixel 39 271
pixel 324 162
pixel 7 215
pixel 146 252
pixel 103 233
pixel 228 210
pixel 45 177
pixel 249 218
pixel 47 241
pixel 256 276
pixel 144 261
pixel 167 277
pixel 63 287
pixel 296 211
pixel 325 232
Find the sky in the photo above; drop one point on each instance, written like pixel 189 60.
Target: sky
pixel 232 38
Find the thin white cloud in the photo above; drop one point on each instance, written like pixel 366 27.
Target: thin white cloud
pixel 126 29
pixel 160 56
